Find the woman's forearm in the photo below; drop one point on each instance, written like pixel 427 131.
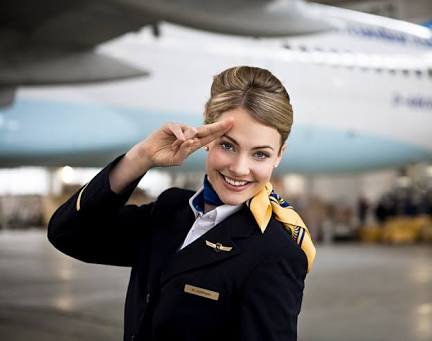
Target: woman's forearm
pixel 128 169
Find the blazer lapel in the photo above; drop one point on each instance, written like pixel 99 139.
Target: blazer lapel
pixel 199 253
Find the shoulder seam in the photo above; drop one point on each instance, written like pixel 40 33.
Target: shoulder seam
pixel 168 199
pixel 289 244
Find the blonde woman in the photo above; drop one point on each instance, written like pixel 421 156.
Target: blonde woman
pixel 227 262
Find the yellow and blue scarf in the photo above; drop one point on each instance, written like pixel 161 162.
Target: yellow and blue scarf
pixel 263 205
pixel 266 203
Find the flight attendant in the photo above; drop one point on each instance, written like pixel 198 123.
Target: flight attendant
pixel 227 262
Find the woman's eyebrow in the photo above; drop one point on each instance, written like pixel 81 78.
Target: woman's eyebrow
pixel 236 143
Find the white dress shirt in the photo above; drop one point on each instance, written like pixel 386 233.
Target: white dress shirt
pixel 204 222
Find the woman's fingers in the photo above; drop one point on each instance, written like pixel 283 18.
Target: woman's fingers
pixel 176 144
pixel 190 132
pixel 204 135
pixel 181 133
pixel 209 132
pixel 215 129
pixel 185 149
pixel 189 139
pixel 176 130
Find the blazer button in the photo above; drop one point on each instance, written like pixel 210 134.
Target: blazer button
pixel 147 299
pixel 132 338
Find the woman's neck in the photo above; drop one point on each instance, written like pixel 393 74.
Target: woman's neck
pixel 208 207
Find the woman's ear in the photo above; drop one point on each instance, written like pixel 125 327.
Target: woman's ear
pixel 282 150
pixel 279 156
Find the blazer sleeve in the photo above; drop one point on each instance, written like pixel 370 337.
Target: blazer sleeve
pixel 272 299
pixel 95 226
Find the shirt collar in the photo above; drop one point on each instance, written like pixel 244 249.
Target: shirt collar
pixel 196 202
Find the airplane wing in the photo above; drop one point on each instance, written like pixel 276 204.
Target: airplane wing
pixel 51 41
pixel 84 23
pixel 66 24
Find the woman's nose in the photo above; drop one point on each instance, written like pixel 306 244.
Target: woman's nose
pixel 239 166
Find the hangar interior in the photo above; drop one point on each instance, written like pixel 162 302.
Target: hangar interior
pixel 373 230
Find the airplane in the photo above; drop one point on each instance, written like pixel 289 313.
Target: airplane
pixel 360 84
pixel 50 42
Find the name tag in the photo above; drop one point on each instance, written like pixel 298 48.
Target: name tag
pixel 190 289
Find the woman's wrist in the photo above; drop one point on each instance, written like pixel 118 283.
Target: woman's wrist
pixel 138 159
pixel 128 169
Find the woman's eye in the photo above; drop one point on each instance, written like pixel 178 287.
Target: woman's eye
pixel 261 155
pixel 226 146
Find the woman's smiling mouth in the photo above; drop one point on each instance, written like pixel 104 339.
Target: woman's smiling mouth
pixel 234 185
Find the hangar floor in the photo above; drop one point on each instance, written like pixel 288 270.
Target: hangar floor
pixel 355 293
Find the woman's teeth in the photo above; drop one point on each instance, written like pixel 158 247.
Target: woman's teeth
pixel 235 182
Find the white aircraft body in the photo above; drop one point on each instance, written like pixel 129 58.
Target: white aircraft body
pixel 361 93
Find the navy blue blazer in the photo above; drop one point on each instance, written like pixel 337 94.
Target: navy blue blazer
pixel 250 289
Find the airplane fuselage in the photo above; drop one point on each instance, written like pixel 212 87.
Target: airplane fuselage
pixel 362 98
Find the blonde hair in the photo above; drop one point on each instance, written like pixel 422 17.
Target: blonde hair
pixel 254 89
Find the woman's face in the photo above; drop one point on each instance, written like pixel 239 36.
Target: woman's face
pixel 241 162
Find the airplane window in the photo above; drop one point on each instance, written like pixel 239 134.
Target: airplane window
pixel 418 73
pixel 430 72
pixel 303 48
pixel 155 28
pixel 392 71
pixel 405 72
pixel 287 46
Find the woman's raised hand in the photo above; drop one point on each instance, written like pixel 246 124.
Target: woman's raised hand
pixel 173 143
pixel 167 146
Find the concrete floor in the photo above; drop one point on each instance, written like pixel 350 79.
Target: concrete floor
pixel 354 293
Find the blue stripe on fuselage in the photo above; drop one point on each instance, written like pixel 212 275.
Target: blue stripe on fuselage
pixel 39 127
pixel 382 33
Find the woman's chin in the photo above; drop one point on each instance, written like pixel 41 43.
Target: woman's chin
pixel 233 202
pixel 233 198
